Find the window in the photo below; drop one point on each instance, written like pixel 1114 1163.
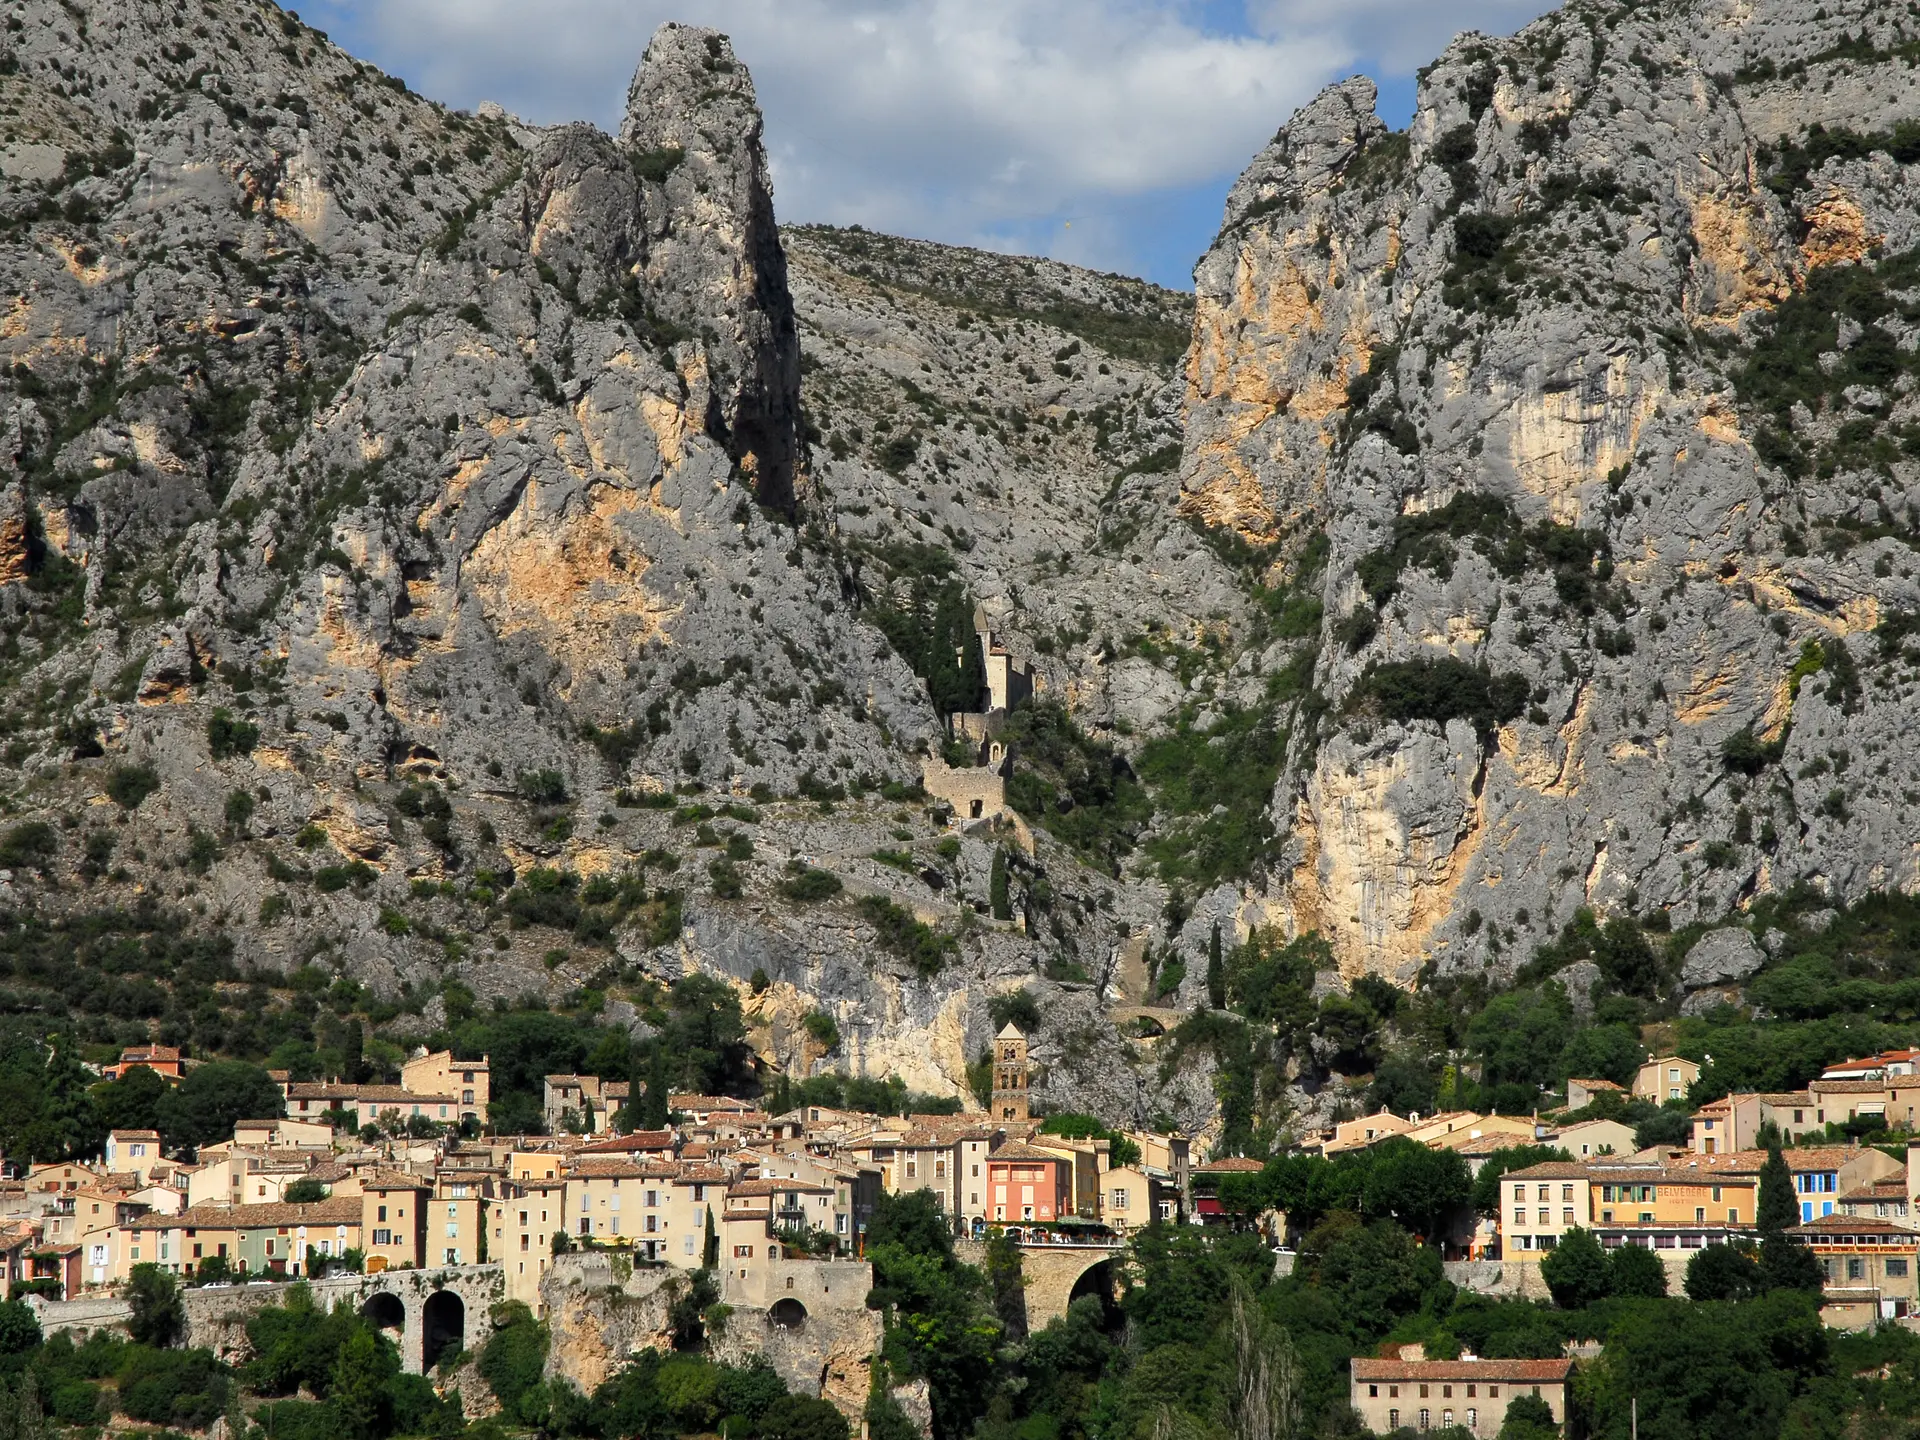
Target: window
pixel 1733 1216
pixel 1566 1215
pixel 743 1252
pixel 1716 1194
pixel 1699 1214
pixel 1423 1392
pixel 1373 1392
pixel 1566 1192
pixel 381 1213
pixel 1119 1199
pixel 1544 1214
pixel 1493 1392
pixel 1425 1417
pixel 1393 1419
pixel 1470 1390
pixel 1446 1393
pixel 1519 1215
pixel 1446 1418
pixel 1856 1268
pixel 1896 1269
pixel 1473 1418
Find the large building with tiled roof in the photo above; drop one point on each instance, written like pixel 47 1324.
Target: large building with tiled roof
pixel 1468 1394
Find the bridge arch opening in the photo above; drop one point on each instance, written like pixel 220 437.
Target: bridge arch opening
pixel 1096 1282
pixel 443 1327
pixel 787 1313
pixel 386 1312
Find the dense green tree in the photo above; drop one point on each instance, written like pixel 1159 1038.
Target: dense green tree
pixel 1704 1371
pixel 1634 1271
pixel 19 1328
pixel 1521 1035
pixel 1375 1273
pixel 210 1099
pixel 1670 1125
pixel 1416 1186
pixel 362 1384
pixel 304 1191
pixel 1723 1272
pixel 1216 971
pixel 158 1314
pixel 132 1102
pixel 1786 1264
pixel 1528 1417
pixel 1576 1270
pixel 801 1417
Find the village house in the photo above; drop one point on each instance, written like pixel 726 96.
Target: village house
pixel 1858 1254
pixel 1469 1393
pixel 1027 1185
pixel 1664 1078
pixel 465 1083
pixel 1595 1139
pixel 1582 1093
pixel 393 1210
pixel 526 1224
pixel 163 1060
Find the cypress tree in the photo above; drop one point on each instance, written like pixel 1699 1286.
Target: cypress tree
pixel 653 1107
pixel 997 887
pixel 1777 1209
pixel 1216 972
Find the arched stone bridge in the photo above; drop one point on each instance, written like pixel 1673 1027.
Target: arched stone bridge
pixel 1054 1276
pixel 427 1313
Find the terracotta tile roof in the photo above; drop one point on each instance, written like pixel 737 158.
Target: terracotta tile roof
pixel 1858 1087
pixel 1878 1190
pixel 251 1217
pixel 1598 1085
pixel 1020 1150
pixel 638 1140
pixel 1853 1225
pixel 1551 1170
pixel 1232 1165
pixel 749 1188
pixel 392 1180
pixel 706 1102
pixel 1532 1372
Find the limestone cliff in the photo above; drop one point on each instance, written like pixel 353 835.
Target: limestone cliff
pixel 396 503
pixel 1598 592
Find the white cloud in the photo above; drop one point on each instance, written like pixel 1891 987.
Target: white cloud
pixel 963 120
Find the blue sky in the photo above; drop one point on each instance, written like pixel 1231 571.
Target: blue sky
pixel 1103 132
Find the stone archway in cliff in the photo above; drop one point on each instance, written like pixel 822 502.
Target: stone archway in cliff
pixel 443 1327
pixel 787 1313
pixel 385 1311
pixel 1098 1282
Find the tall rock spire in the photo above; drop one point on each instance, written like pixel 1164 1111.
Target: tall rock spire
pixel 713 253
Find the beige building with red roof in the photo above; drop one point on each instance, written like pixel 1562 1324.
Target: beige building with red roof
pixel 1469 1393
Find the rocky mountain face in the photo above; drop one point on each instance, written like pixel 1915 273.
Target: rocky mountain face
pixel 401 505
pixel 1585 406
pixel 464 557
